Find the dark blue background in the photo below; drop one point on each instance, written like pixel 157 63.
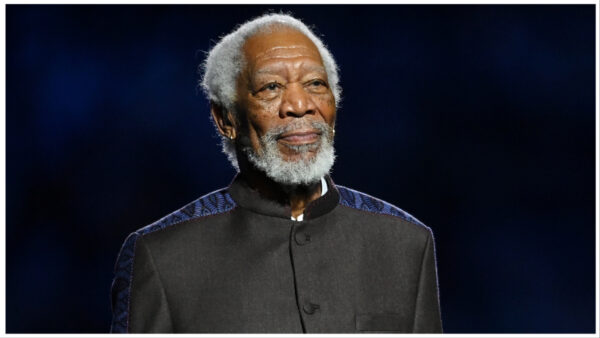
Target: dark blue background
pixel 478 120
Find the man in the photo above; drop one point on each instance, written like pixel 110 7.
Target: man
pixel 282 248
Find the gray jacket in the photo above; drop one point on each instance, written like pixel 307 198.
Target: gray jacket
pixel 234 262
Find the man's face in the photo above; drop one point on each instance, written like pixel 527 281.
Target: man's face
pixel 284 97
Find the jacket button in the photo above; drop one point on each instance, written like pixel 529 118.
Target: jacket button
pixel 302 238
pixel 310 308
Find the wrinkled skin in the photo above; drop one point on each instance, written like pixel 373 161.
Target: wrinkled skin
pixel 284 80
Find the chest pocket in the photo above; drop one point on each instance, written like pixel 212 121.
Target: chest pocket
pixel 381 322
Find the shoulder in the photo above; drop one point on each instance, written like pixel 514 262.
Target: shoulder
pixel 215 203
pixel 366 203
pixel 212 204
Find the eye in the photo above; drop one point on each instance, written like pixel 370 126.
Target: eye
pixel 317 83
pixel 317 86
pixel 269 91
pixel 271 86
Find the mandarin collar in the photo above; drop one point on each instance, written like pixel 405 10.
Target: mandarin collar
pixel 251 199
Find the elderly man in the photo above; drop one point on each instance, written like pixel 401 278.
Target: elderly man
pixel 282 248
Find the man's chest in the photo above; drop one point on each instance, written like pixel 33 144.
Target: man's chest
pixel 300 276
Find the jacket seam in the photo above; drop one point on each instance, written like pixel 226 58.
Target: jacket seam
pixel 141 233
pixel 420 225
pixel 162 288
pixel 419 281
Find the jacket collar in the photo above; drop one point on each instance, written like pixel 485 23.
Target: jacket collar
pixel 250 199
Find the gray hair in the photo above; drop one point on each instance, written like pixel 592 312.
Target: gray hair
pixel 225 62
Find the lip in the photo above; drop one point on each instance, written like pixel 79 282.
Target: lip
pixel 300 136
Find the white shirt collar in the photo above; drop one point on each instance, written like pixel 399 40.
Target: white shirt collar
pixel 323 192
pixel 323 186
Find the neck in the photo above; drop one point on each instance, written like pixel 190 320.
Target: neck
pixel 296 196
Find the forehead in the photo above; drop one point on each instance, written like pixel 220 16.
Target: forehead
pixel 277 45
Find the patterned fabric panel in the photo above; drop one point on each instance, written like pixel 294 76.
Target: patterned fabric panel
pixel 214 203
pixel 211 204
pixel 358 200
pixel 120 286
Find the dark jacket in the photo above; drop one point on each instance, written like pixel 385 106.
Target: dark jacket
pixel 234 262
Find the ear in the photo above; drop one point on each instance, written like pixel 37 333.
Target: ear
pixel 225 121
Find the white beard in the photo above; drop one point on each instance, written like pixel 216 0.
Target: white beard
pixel 304 171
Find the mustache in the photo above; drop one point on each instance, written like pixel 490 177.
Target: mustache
pixel 274 133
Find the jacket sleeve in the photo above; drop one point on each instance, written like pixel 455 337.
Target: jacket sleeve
pixel 427 309
pixel 138 298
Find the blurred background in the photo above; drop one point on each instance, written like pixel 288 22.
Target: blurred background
pixel 479 120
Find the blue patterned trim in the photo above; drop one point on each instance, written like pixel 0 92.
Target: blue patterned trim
pixel 358 200
pixel 120 286
pixel 214 203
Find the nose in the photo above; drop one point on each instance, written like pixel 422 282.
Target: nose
pixel 296 102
